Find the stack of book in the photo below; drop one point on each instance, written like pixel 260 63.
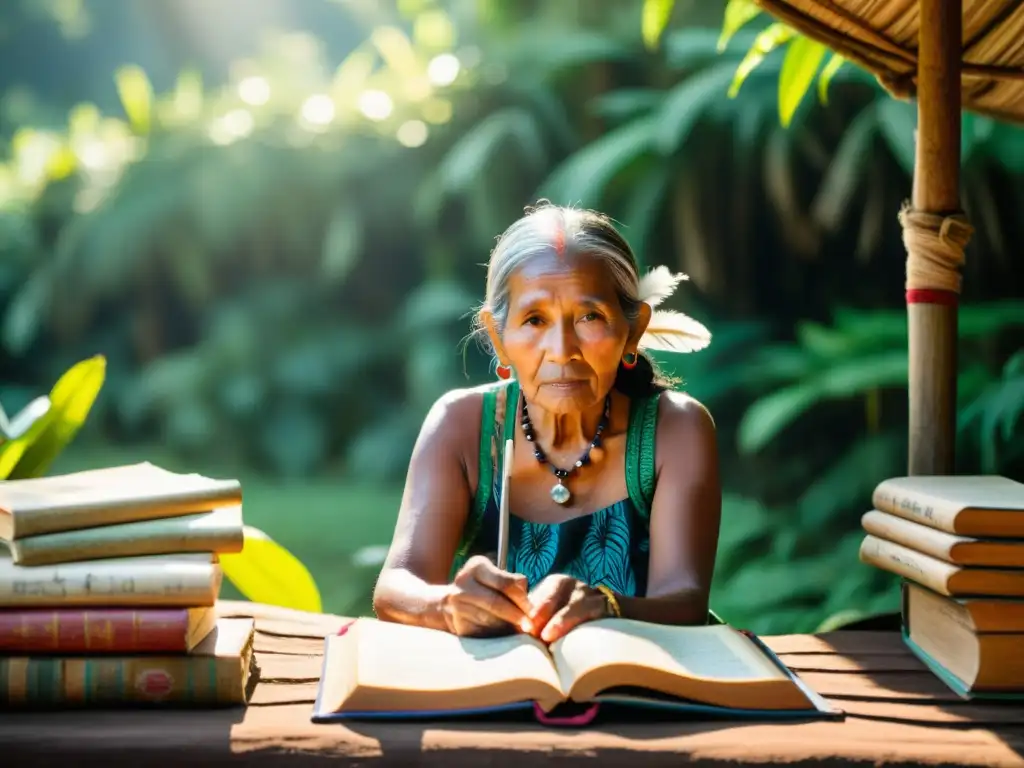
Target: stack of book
pixel 957 542
pixel 108 587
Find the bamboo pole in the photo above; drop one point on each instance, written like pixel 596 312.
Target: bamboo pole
pixel 932 314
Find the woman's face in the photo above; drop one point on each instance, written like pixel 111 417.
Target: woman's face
pixel 566 332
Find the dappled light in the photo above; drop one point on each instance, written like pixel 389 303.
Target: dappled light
pixel 276 241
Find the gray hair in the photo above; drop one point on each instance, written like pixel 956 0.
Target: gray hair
pixel 550 228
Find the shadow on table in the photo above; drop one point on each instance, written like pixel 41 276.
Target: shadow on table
pixel 504 734
pixel 114 738
pixel 870 673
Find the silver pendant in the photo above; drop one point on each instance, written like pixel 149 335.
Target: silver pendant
pixel 560 494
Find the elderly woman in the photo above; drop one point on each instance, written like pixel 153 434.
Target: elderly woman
pixel 614 489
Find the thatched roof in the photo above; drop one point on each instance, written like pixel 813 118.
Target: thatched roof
pixel 881 35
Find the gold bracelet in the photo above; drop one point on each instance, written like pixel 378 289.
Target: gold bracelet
pixel 611 600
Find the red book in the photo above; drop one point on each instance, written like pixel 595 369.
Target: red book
pixel 99 630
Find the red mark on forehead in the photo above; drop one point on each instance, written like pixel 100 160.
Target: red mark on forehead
pixel 558 237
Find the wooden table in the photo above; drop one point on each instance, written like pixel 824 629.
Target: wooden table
pixel 897 713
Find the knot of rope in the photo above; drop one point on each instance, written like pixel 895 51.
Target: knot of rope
pixel 935 249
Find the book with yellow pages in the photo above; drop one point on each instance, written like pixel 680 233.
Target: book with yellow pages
pixel 376 669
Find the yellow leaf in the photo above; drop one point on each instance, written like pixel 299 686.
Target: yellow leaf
pixel 767 40
pixel 827 73
pixel 655 17
pixel 737 13
pixel 799 68
pixel 71 399
pixel 136 94
pixel 266 572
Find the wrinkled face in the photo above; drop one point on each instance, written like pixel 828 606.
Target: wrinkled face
pixel 566 333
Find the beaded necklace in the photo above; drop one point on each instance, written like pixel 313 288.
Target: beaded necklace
pixel 559 493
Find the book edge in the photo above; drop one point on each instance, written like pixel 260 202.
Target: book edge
pixel 951 681
pixel 819 707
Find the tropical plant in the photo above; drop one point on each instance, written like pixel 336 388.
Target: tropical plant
pixel 263 571
pixel 44 427
pixel 829 410
pixel 278 267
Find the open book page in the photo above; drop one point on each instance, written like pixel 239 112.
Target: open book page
pixel 709 664
pixel 384 666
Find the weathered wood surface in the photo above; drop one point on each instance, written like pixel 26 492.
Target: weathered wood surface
pixel 897 714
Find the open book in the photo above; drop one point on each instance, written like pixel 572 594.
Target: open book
pixel 381 669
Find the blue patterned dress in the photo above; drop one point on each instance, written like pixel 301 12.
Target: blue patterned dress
pixel 610 546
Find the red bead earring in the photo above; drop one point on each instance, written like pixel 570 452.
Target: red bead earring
pixel 504 371
pixel 629 360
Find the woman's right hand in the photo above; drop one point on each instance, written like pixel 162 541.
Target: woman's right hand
pixel 484 601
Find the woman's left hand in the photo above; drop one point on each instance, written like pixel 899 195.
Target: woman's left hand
pixel 560 603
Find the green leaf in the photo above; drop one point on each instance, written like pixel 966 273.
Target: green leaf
pixel 266 572
pixel 823 342
pixel 626 103
pixel 737 13
pixel 71 399
pixel 839 187
pixel 434 303
pixel 644 208
pixel 582 178
pixel 550 51
pixel 745 520
pixel 1014 366
pixel 1006 145
pixel 842 618
pixel 834 495
pixel 687 104
pixel 984 320
pixel 829 71
pixel 897 121
pixel 770 38
pixel 800 65
pixel 136 93
pixel 342 243
pixel 767 417
pixel 655 17
pixel 476 150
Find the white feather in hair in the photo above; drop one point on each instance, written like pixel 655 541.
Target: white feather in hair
pixel 671 331
pixel 658 284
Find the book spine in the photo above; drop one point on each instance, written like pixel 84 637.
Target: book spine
pixel 930 541
pixel 46 682
pixel 921 509
pixel 93 631
pixel 217 531
pixel 907 563
pixel 93 514
pixel 95 584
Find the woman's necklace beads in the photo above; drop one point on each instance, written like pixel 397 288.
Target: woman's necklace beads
pixel 559 493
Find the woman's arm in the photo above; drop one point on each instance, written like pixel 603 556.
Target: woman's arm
pixel 435 504
pixel 685 517
pixel 413 586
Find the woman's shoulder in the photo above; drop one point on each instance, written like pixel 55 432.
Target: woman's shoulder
pixel 456 405
pixel 685 425
pixel 455 416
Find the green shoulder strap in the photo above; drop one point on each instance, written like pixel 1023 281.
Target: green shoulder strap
pixel 489 460
pixel 640 440
pixel 640 467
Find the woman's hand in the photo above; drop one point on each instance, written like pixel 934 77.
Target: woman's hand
pixel 484 601
pixel 560 603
